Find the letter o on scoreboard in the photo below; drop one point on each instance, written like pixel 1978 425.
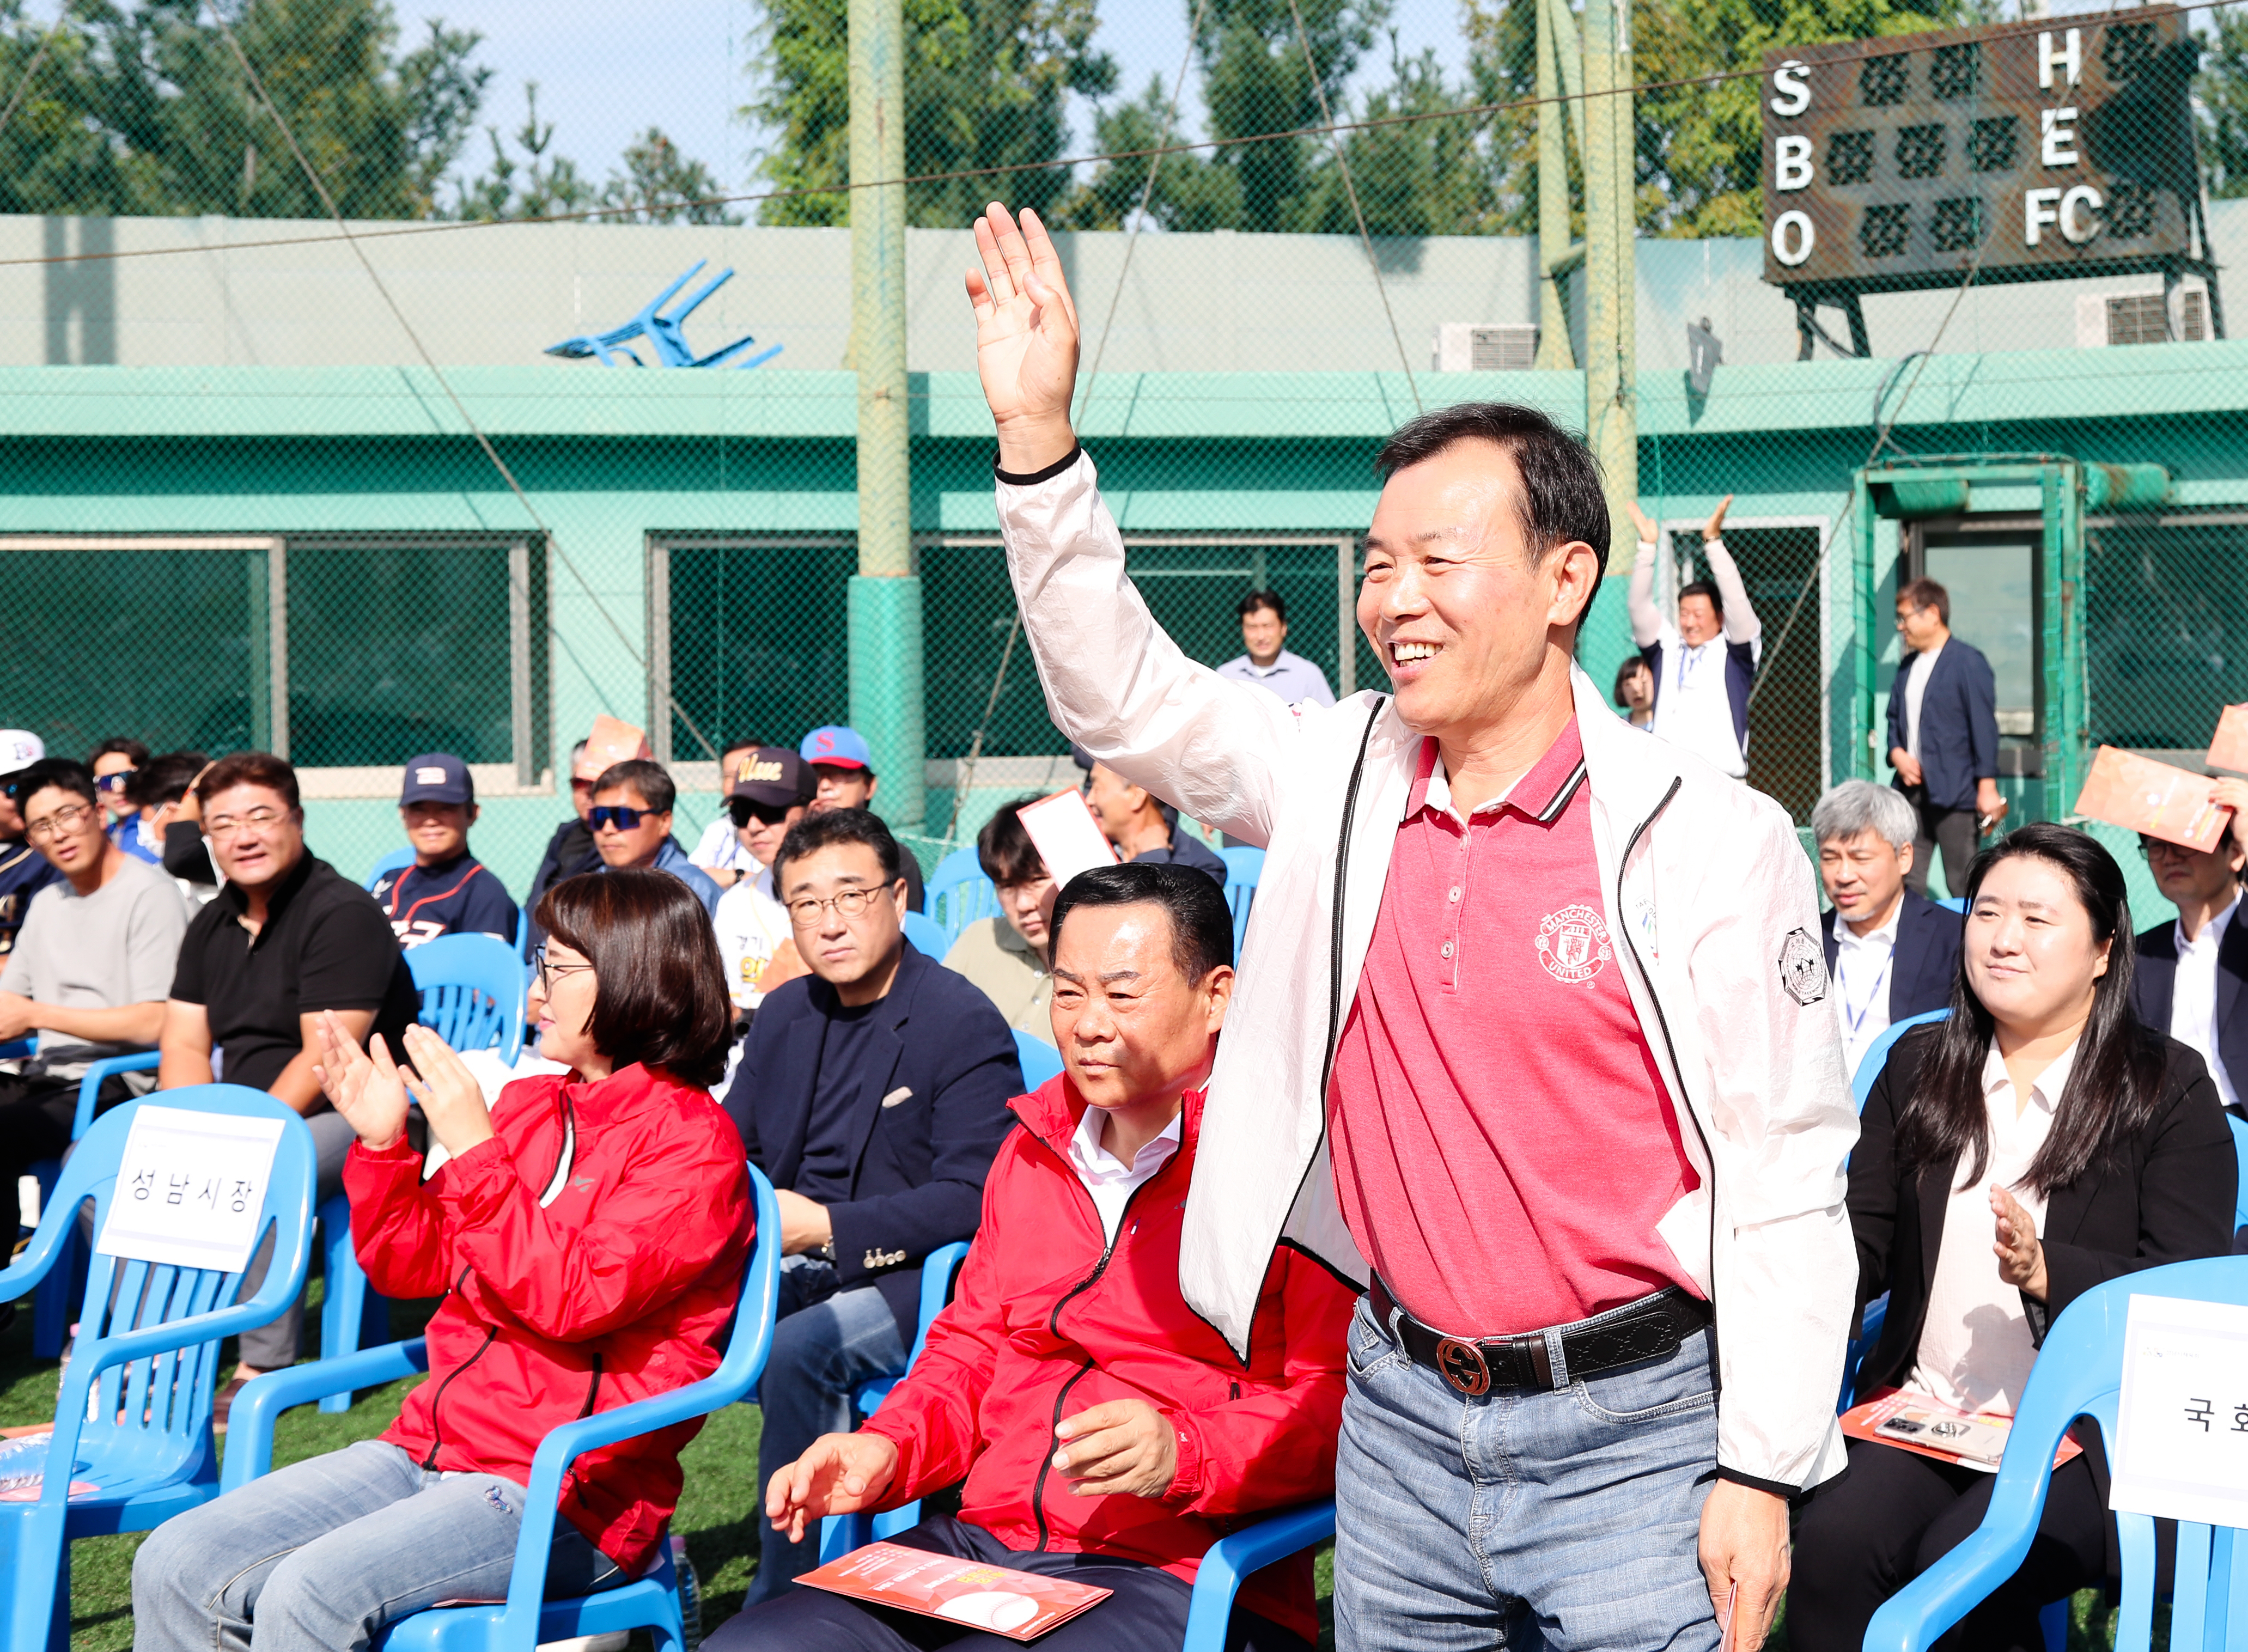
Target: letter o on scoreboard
pixel 1792 237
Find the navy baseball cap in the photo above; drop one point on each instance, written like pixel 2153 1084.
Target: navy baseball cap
pixel 774 776
pixel 834 743
pixel 439 777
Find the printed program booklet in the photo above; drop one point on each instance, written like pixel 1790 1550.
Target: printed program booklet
pixel 1018 1605
pixel 1899 1417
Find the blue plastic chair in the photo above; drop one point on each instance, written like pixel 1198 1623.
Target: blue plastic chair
pixel 1040 1060
pixel 471 988
pixel 840 1533
pixel 390 862
pixel 1243 868
pixel 525 1620
pixel 664 333
pixel 1230 1560
pixel 1956 903
pixel 927 935
pixel 50 1303
pixel 352 1314
pixel 134 1418
pixel 2080 1373
pixel 1877 1053
pixel 2240 1200
pixel 958 894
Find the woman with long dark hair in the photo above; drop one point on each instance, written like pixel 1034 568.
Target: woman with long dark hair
pixel 2037 1142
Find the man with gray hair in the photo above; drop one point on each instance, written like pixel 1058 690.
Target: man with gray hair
pixel 1893 952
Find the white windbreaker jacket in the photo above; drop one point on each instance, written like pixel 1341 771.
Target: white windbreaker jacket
pixel 1705 881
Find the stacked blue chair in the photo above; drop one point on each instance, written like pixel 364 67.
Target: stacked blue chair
pixel 1243 868
pixel 1877 1052
pixel 927 935
pixel 1040 1060
pixel 133 1423
pixel 526 1620
pixel 958 894
pixel 387 864
pixel 66 1280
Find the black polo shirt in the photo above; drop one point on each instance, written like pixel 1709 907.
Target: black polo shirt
pixel 325 946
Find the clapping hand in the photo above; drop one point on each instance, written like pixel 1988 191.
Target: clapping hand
pixel 1026 339
pixel 363 1084
pixel 1649 534
pixel 2021 1258
pixel 451 1099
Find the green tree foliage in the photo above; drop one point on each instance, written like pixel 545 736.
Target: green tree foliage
pixel 1191 191
pixel 1256 80
pixel 539 185
pixel 2221 104
pixel 985 86
pixel 663 186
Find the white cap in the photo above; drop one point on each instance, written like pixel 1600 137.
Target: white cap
pixel 19 749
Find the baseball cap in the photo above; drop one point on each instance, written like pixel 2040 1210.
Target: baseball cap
pixel 773 775
pixel 832 743
pixel 20 749
pixel 437 778
pixel 612 741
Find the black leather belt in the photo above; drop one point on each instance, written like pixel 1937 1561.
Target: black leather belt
pixel 1650 1328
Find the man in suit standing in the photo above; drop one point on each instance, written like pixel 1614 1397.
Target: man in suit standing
pixel 1944 735
pixel 1893 952
pixel 2191 972
pixel 873 1092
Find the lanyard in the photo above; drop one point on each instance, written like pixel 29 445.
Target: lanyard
pixel 1689 654
pixel 1856 1017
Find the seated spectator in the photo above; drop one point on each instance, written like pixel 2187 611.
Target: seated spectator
pixel 287 939
pixel 722 850
pixel 1143 826
pixel 1893 952
pixel 843 777
pixel 771 789
pixel 24 870
pixel 90 970
pixel 186 851
pixel 113 762
pixel 445 892
pixel 155 792
pixel 1267 660
pixel 1634 691
pixel 2043 1123
pixel 571 851
pixel 2188 976
pixel 1106 1433
pixel 873 1092
pixel 587 1234
pixel 631 819
pixel 1006 956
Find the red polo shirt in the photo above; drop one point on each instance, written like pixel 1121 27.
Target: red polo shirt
pixel 1502 1144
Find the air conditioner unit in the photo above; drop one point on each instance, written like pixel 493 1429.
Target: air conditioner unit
pixel 2141 317
pixel 1472 347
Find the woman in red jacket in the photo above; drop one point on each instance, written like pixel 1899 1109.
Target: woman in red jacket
pixel 1107 1434
pixel 588 1235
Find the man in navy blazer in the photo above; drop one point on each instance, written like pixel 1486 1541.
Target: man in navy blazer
pixel 873 1092
pixel 1892 953
pixel 1944 735
pixel 2188 976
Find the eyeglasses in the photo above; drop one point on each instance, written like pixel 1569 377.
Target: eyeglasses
pixel 226 826
pixel 744 810
pixel 114 782
pixel 617 815
pixel 848 904
pixel 62 820
pixel 546 971
pixel 2152 847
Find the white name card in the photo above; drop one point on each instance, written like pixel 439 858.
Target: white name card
pixel 191 1188
pixel 2182 1438
pixel 1066 835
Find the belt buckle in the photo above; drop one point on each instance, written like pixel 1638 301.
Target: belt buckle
pixel 1462 1365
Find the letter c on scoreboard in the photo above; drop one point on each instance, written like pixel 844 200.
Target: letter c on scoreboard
pixel 1792 237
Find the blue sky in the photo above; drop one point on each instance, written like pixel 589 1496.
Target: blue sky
pixel 686 65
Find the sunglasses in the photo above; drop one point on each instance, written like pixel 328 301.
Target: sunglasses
pixel 114 782
pixel 616 815
pixel 744 810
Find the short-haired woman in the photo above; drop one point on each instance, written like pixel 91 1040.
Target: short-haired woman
pixel 2038 1142
pixel 588 1234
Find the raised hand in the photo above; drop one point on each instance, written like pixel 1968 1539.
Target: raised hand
pixel 451 1099
pixel 363 1084
pixel 1644 523
pixel 2021 1258
pixel 1714 527
pixel 1026 339
pixel 838 1474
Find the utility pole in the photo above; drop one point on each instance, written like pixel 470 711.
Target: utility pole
pixel 1557 254
pixel 885 598
pixel 1611 287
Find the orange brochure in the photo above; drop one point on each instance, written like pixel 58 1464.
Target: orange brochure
pixel 1915 1423
pixel 2141 795
pixel 2228 747
pixel 1018 1605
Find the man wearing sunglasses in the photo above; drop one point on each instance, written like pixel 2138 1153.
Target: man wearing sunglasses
pixel 631 822
pixel 772 787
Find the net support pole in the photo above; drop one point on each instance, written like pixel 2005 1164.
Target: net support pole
pixel 1554 237
pixel 1611 425
pixel 885 598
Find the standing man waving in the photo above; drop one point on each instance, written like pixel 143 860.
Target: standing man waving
pixel 1575 1221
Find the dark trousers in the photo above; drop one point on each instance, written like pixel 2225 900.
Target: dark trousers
pixel 35 1114
pixel 1953 830
pixel 1895 1513
pixel 1148 1609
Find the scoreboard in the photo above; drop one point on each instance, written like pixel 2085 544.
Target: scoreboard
pixel 2031 151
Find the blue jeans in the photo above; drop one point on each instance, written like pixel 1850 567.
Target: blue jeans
pixel 827 1343
pixel 1558 1519
pixel 324 1555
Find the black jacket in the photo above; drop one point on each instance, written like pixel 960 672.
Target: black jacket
pixel 1958 723
pixel 929 1127
pixel 2154 978
pixel 1926 959
pixel 2167 1196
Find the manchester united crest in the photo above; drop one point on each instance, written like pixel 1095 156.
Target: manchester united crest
pixel 1573 944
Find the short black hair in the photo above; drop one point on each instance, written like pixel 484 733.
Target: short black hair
pixel 1703 588
pixel 123 742
pixel 660 983
pixel 164 780
pixel 59 772
pixel 1562 500
pixel 1919 595
pixel 651 780
pixel 818 832
pixel 252 768
pixel 1003 848
pixel 1201 923
pixel 1256 599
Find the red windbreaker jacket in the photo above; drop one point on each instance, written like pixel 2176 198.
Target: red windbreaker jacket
pixel 589 1255
pixel 1050 1320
